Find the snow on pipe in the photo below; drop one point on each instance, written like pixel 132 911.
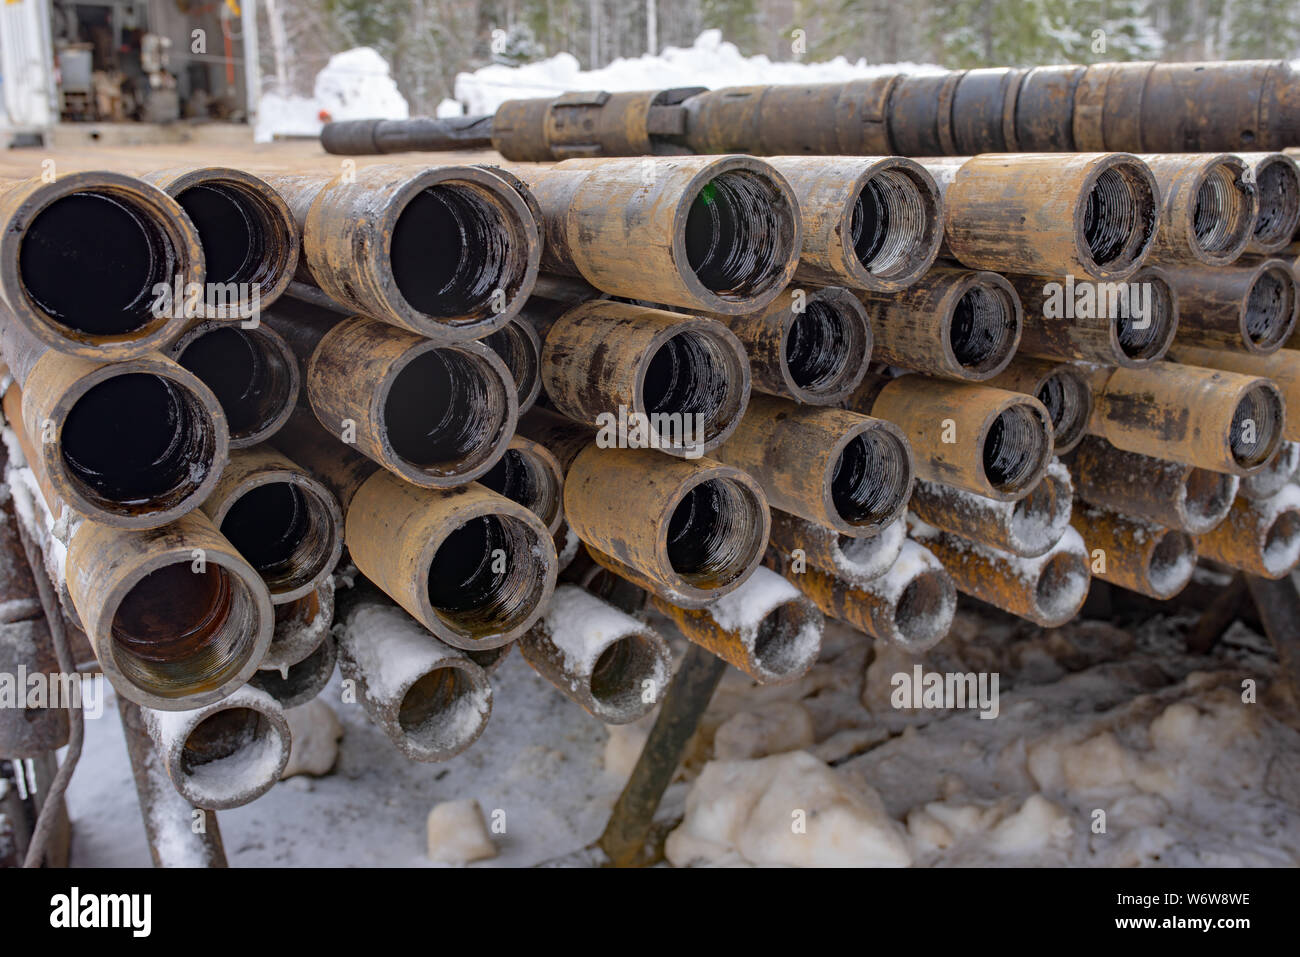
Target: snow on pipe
pixel 300 626
pixel 984 440
pixel 1245 308
pixel 1281 367
pixel 1131 326
pixel 766 628
pixel 251 371
pixel 80 257
pixel 518 346
pixel 249 237
pixel 366 242
pixel 281 519
pixel 429 698
pixel 226 753
pixel 912 605
pixel 296 684
pixel 1208 208
pixel 849 472
pixel 1135 554
pixel 1273 477
pixel 957 323
pixel 688 531
pixel 1027 527
pixel 810 345
pixel 718 234
pixel 1064 390
pixel 610 663
pixel 1258 537
pixel 1049 590
pixel 683 379
pixel 1215 420
pixel 134 443
pixel 1172 494
pixel 529 474
pixel 1277 188
pixel 857 560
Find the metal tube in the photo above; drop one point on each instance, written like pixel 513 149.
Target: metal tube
pixel 421 133
pixel 518 346
pixel 1273 477
pixel 300 625
pixel 1244 308
pixel 1277 187
pixel 1282 367
pixel 296 684
pixel 1138 555
pixel 1208 208
pixel 855 560
pixel 1259 537
pixel 1064 390
pixel 529 474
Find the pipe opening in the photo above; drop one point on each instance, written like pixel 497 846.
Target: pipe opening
pixel 1062 584
pixel 244 238
pixel 1221 220
pixel 892 225
pixel 445 411
pixel 1066 395
pixel 179 632
pixel 304 680
pixel 739 234
pixel 1015 447
pixel 485 578
pixel 824 347
pixel 518 351
pixel 249 375
pixel 1146 337
pixel 617 678
pixel 715 533
pixel 521 478
pixel 1270 306
pixel 1207 497
pixel 1256 428
pixel 870 478
pixel 284 530
pixel 982 329
pixel 440 712
pixel 694 373
pixel 1282 543
pixel 453 246
pixel 1120 216
pixel 778 646
pixel 1278 187
pixel 90 261
pixel 138 441
pixel 924 609
pixel 1172 562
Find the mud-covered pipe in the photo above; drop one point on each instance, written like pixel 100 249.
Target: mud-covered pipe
pixel 429 698
pixel 800 542
pixel 1027 527
pixel 1281 367
pixel 518 346
pixel 988 441
pixel 1214 420
pixel 675 383
pixel 531 475
pixel 296 684
pixel 912 605
pixel 956 323
pixel 1277 189
pixel 1129 324
pixel 849 472
pixel 285 522
pixel 1244 308
pixel 869 223
pixel 226 753
pixel 1259 537
pixel 1172 494
pixel 449 252
pixel 766 628
pixel 610 663
pixel 1136 554
pixel 810 345
pixel 1270 480
pixel 1208 206
pixel 80 258
pixel 689 531
pixel 1064 390
pixel 134 443
pixel 300 625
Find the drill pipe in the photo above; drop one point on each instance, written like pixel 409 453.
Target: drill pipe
pixel 1064 390
pixel 952 322
pixel 1281 367
pixel 1277 187
pixel 613 665
pixel 519 347
pixel 855 560
pixel 298 683
pixel 299 627
pixel 1244 308
pixel 1208 208
pixel 1135 554
pixel 529 474
pixel 1260 538
pixel 81 259
pixel 1270 480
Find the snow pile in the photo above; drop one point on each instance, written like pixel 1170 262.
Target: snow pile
pixel 355 85
pixel 709 62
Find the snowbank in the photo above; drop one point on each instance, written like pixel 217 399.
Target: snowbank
pixel 355 85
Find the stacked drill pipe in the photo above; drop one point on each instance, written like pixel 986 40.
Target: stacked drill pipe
pixel 1277 188
pixel 1135 554
pixel 1064 390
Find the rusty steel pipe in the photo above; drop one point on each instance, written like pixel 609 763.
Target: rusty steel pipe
pixel 1064 389
pixel 849 472
pixel 912 605
pixel 226 753
pixel 766 628
pixel 689 531
pixel 1028 527
pixel 518 346
pixel 855 560
pixel 605 584
pixel 300 625
pixel 1208 207
pixel 810 345
pixel 285 523
pixel 177 618
pixel 868 223
pixel 718 234
pixel 249 237
pixel 648 373
pixel 1172 494
pixel 1244 308
pixel 367 238
pixel 561 436
pixel 1281 367
pixel 1258 537
pixel 1130 323
pixel 1214 420
pixel 956 323
pixel 531 475
pixel 429 698
pixel 338 466
pixel 988 441
pixel 81 258
pixel 610 663
pixel 1135 554
pixel 1273 477
pixel 296 684
pixel 1277 188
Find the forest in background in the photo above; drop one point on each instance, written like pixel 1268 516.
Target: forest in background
pixel 427 42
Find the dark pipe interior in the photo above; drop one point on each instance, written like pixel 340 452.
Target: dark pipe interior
pixel 1118 218
pixel 220 735
pixel 484 577
pixel 1269 307
pixel 248 376
pixel 869 478
pixel 1278 187
pixel 1148 341
pixel 430 705
pixel 1255 430
pixel 738 234
pixel 712 534
pixel 268 525
pixel 690 374
pixel 890 224
pixel 231 231
pixel 1014 448
pixel 1219 220
pixel 442 409
pixel 816 346
pixel 983 328
pixel 522 480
